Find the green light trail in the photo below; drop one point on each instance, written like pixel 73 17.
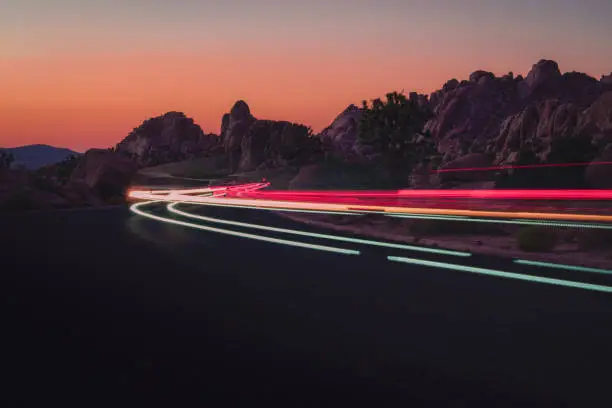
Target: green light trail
pixel 172 208
pixel 503 274
pixel 136 209
pixel 562 266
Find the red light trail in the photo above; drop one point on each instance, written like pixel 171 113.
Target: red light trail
pixel 476 194
pixel 524 166
pixel 245 195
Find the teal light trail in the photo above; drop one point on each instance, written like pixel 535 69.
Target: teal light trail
pixel 172 208
pixel 562 266
pixel 135 208
pixel 503 274
pixel 494 221
pixel 248 207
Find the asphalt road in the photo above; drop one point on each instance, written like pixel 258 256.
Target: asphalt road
pixel 105 307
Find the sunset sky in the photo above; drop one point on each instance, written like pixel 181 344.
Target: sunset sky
pixel 83 73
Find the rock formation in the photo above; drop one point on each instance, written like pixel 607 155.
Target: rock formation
pixel 104 172
pixel 167 138
pixel 340 138
pixel 546 117
pixel 252 143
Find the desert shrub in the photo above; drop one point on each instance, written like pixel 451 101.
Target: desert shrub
pixel 6 159
pixel 19 201
pixel 537 239
pixel 394 128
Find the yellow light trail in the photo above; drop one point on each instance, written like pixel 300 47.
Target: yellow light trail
pixel 331 207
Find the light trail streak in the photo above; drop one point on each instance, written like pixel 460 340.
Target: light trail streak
pixel 482 194
pixel 250 207
pixel 172 208
pixel 512 222
pixel 217 196
pixel 503 274
pixel 135 208
pixel 376 209
pixel 562 266
pixel 524 166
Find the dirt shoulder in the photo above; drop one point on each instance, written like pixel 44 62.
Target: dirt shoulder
pixel 496 245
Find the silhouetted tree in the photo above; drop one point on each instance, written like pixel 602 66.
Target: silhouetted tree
pixel 6 159
pixel 395 129
pixel 66 167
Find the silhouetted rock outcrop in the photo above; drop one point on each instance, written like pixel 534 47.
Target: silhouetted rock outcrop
pixel 252 143
pixel 167 138
pixel 546 117
pixel 105 173
pixel 340 138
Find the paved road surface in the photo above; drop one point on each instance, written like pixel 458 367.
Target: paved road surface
pixel 106 307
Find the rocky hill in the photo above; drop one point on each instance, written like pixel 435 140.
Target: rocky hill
pixel 167 138
pixel 252 143
pixel 482 121
pixel 546 117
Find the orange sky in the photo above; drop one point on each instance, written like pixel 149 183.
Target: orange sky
pixel 78 83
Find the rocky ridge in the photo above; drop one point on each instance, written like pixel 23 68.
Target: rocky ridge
pixel 485 120
pixel 167 138
pixel 546 117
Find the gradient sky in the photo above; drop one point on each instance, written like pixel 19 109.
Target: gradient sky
pixel 81 74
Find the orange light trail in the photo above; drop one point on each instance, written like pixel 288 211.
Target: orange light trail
pixel 220 197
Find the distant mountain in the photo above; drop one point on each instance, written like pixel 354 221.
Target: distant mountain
pixel 35 156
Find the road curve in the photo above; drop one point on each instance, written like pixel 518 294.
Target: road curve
pixel 114 306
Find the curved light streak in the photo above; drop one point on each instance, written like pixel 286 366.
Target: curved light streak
pixel 542 223
pixel 447 193
pixel 562 266
pixel 503 274
pixel 372 208
pixel 172 208
pixel 524 166
pixel 253 207
pixel 135 208
pixel 214 197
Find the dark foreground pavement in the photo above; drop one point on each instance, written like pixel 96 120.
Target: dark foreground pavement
pixel 102 308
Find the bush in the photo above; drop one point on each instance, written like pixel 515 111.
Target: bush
pixel 537 239
pixel 394 129
pixel 20 200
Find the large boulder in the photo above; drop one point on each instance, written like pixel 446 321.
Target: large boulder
pixel 600 113
pixel 106 173
pixel 503 115
pixel 340 138
pixel 252 143
pixel 273 144
pixel 542 130
pixel 234 127
pixel 469 114
pixel 544 77
pixel 480 75
pixel 167 138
